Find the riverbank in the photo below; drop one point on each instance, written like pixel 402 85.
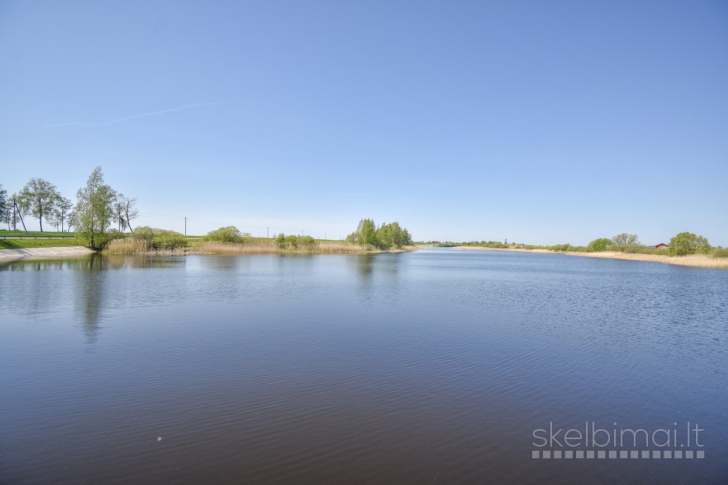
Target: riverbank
pixel 7 255
pixel 696 260
pixel 46 242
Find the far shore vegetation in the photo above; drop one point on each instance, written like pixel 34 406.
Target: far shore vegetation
pixel 683 244
pixel 101 217
pixel 230 240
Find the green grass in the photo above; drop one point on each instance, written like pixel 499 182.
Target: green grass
pixel 22 233
pixel 38 243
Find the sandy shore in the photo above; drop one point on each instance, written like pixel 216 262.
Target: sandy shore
pixel 698 260
pixel 43 253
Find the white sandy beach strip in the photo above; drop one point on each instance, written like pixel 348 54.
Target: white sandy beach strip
pixel 43 253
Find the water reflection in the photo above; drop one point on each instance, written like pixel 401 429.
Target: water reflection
pixel 89 292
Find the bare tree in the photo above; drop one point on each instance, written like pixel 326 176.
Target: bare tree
pixel 39 198
pixel 130 210
pixel 119 212
pixel 61 212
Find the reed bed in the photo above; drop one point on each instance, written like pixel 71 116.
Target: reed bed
pixel 699 260
pixel 136 246
pixel 270 247
pixel 126 246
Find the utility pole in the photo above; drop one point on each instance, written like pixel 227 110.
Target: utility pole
pixel 267 232
pixel 185 225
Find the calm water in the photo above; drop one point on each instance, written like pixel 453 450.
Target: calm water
pixel 428 367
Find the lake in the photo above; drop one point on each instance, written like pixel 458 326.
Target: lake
pixel 437 366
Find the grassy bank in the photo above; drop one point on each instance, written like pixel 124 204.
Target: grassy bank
pixel 16 234
pixel 38 243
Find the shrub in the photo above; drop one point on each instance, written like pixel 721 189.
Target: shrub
pixel 164 239
pixel 625 240
pixel 229 234
pixel 155 238
pixel 688 243
pixel 720 252
pixel 144 233
pixel 597 245
pixel 294 242
pixel 559 248
pixel 102 239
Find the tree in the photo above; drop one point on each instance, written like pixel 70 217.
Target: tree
pixel 94 211
pixel 72 218
pixel 127 211
pixel 119 217
pixel 366 233
pixel 4 207
pixel 688 243
pixel 62 212
pixel 601 244
pixel 392 235
pixel 384 237
pixel 625 240
pixel 38 197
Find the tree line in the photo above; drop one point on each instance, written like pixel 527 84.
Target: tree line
pixel 98 215
pixel 682 244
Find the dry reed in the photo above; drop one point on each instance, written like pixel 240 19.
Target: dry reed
pixel 270 247
pixel 699 260
pixel 126 246
pixel 135 246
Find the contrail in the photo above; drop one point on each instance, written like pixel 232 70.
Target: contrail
pixel 129 117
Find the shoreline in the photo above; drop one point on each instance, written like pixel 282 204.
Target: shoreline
pixel 255 251
pixel 693 260
pixel 514 250
pixel 19 254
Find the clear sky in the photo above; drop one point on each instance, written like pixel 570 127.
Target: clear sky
pixel 539 122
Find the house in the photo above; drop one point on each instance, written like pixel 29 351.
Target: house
pixel 661 246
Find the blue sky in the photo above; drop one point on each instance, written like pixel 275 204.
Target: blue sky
pixel 540 122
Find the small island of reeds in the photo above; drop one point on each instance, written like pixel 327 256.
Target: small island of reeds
pixel 367 238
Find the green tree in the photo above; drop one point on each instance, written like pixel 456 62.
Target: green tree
pixel 384 237
pixel 94 212
pixel 392 235
pixel 688 243
pixel 365 234
pixel 625 240
pixel 61 212
pixel 4 207
pixel 601 244
pixel 38 198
